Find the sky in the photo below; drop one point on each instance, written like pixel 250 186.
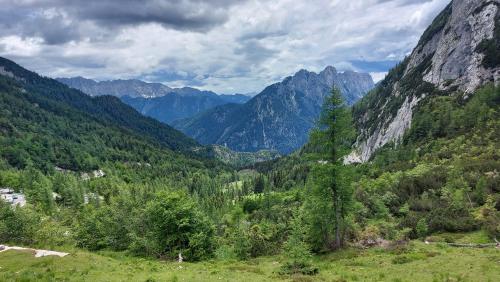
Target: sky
pixel 227 46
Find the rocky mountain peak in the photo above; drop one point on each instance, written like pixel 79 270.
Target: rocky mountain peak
pixel 329 70
pixel 280 117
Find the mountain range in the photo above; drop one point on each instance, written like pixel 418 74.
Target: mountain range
pixel 155 100
pixel 278 118
pixel 118 88
pixel 175 106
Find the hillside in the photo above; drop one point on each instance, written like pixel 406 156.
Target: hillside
pixel 280 117
pixel 439 170
pixel 45 123
pixel 421 263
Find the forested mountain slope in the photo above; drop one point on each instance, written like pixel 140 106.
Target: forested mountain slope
pixel 45 123
pixel 440 172
pixel 278 118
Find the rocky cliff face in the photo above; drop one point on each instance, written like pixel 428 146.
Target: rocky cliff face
pixel 458 52
pixel 280 117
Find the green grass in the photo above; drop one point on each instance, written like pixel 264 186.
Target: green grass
pixel 418 262
pixel 477 237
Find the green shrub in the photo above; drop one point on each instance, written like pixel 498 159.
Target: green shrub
pixel 18 225
pixel 422 228
pixel 401 260
pixel 173 224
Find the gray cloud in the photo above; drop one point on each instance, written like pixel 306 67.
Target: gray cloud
pixel 61 21
pixel 28 22
pixel 184 15
pixel 254 51
pixel 261 34
pixel 223 45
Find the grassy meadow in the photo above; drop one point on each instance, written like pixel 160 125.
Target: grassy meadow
pixel 415 262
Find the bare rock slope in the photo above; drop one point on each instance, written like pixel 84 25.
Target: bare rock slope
pixel 458 52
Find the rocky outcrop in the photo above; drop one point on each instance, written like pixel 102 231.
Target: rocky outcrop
pixel 448 58
pixel 456 64
pixel 393 132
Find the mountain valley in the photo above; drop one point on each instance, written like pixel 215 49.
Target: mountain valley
pixel 323 176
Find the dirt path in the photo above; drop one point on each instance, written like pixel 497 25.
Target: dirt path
pixel 37 253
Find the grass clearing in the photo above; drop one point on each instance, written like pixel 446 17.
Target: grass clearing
pixel 419 262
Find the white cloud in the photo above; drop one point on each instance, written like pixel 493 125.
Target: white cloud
pixel 378 76
pixel 250 44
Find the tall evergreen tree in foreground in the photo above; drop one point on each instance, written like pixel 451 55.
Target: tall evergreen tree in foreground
pixel 329 199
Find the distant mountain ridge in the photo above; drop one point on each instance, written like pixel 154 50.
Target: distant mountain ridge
pixel 175 106
pixel 118 88
pixel 280 117
pixel 72 130
pixel 155 100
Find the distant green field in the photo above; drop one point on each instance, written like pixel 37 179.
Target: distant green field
pixel 418 262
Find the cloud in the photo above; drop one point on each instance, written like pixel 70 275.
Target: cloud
pixel 183 15
pixel 65 20
pixel 222 45
pixel 378 76
pixel 254 51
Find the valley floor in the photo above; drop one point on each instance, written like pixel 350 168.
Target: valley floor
pixel 418 262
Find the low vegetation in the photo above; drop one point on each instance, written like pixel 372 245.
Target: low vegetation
pixel 417 262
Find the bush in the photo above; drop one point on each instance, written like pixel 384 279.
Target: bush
pixel 52 233
pixel 422 228
pixel 489 217
pixel 290 268
pixel 242 245
pixel 17 225
pixel 173 224
pixel 225 253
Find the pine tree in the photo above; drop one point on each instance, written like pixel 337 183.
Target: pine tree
pixel 297 251
pixel 331 194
